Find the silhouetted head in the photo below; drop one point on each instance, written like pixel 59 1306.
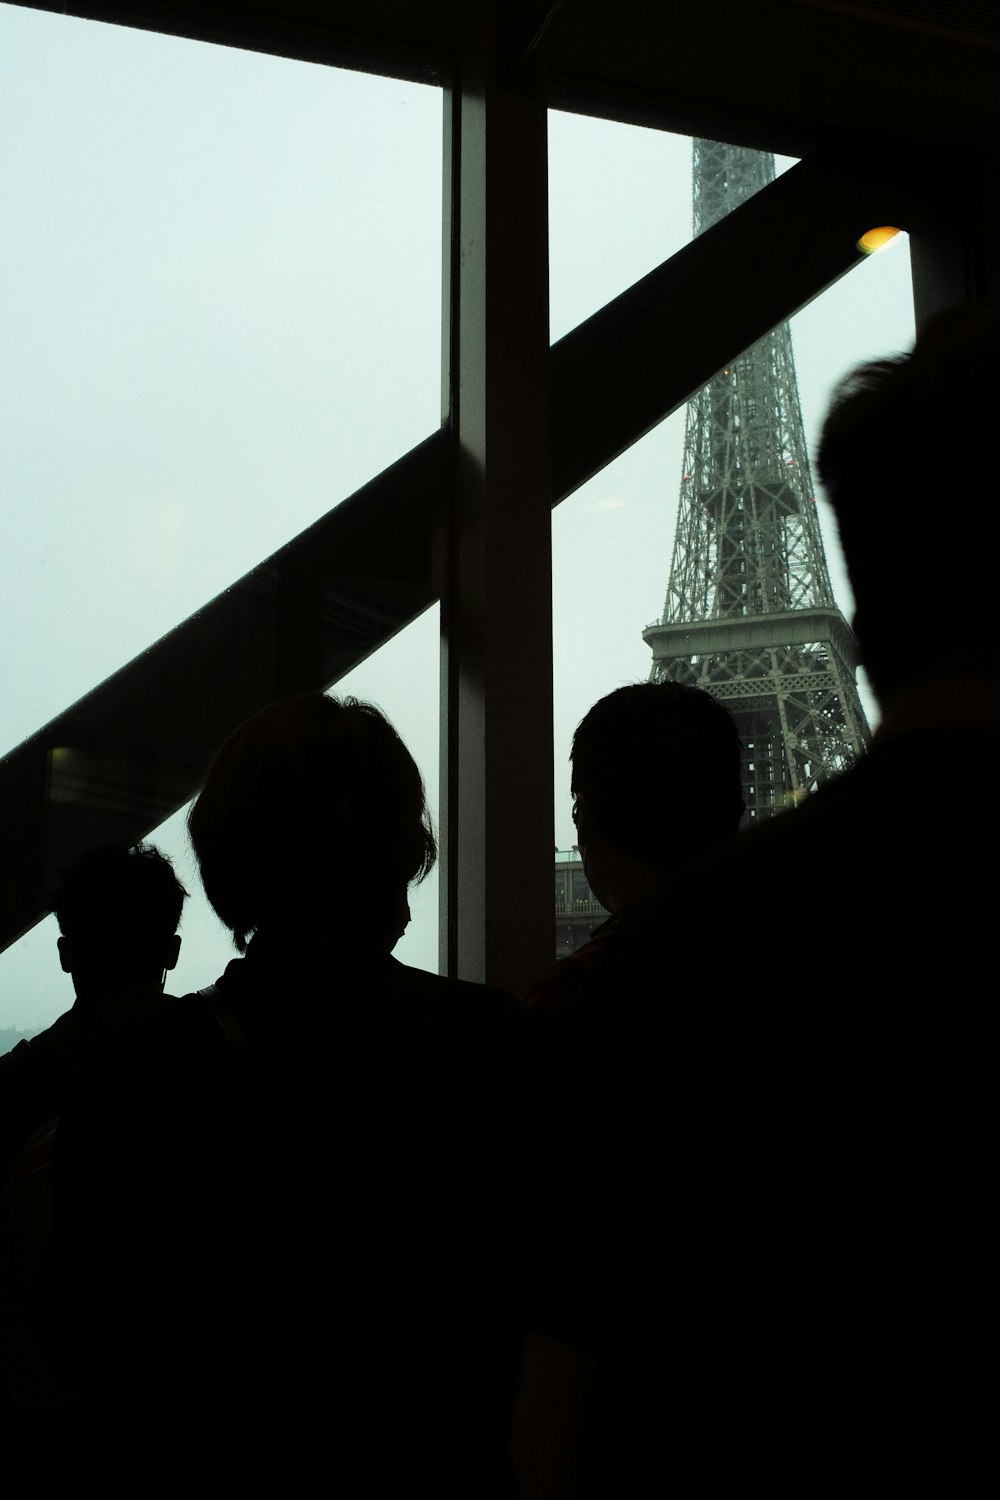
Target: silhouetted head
pixel 911 472
pixel 118 912
pixel 313 812
pixel 658 764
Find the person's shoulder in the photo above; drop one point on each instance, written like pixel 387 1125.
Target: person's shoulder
pixel 172 1039
pixel 477 1033
pixel 459 997
pixel 23 1079
pixel 866 814
pixel 22 1059
pixel 562 986
pixel 166 1020
pixel 782 847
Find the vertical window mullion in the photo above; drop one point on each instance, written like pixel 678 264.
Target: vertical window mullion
pixel 496 625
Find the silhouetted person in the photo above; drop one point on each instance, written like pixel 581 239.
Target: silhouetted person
pixel 656 781
pixel 826 1091
pixel 859 945
pixel 322 1161
pixel 118 911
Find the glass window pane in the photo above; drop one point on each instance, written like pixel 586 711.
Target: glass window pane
pixel 613 540
pixel 221 279
pixel 619 204
pixel 222 284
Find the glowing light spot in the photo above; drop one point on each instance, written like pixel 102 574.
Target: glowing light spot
pixel 610 502
pixel 874 240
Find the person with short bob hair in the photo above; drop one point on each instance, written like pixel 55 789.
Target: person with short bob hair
pixel 313 807
pixel 336 1135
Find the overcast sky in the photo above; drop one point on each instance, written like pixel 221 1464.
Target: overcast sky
pixel 221 314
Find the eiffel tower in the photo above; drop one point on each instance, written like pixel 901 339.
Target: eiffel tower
pixel 750 613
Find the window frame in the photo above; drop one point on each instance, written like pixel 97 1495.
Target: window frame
pixel 467 512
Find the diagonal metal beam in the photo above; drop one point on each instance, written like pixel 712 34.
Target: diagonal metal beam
pixel 642 356
pixel 122 759
pixel 131 752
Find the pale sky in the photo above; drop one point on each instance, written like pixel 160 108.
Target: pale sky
pixel 221 315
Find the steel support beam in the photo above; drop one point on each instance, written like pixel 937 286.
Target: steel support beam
pixel 637 360
pixel 125 757
pixel 496 769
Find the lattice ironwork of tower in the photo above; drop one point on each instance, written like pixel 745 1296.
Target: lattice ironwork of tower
pixel 750 613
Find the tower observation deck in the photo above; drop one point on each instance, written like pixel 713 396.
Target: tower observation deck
pixel 750 613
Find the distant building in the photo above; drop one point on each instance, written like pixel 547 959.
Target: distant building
pixel 578 910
